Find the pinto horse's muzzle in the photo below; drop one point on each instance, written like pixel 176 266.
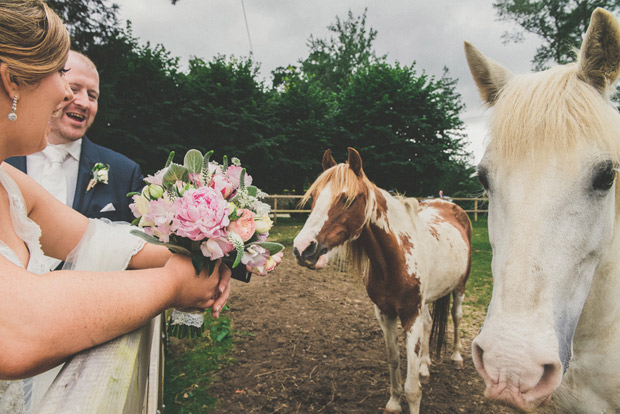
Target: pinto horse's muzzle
pixel 311 255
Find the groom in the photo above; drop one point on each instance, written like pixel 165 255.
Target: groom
pixel 76 156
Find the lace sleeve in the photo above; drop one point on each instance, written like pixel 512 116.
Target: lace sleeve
pixel 105 246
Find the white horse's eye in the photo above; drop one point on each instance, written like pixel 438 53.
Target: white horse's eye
pixel 604 176
pixel 483 177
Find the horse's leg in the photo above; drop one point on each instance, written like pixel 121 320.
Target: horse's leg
pixel 425 360
pixel 413 388
pixel 390 334
pixel 457 314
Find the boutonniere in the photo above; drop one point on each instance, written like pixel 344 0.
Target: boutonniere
pixel 99 174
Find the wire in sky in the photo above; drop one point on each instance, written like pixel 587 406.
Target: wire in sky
pixel 247 28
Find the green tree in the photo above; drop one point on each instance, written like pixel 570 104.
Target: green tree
pixel 407 127
pixel 331 61
pixel 89 22
pixel 560 24
pixel 138 112
pixel 227 109
pixel 305 126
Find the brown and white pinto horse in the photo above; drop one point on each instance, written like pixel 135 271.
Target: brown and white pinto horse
pixel 550 167
pixel 412 254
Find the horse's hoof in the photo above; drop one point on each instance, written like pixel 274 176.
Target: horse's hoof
pixel 457 364
pixel 386 411
pixel 425 379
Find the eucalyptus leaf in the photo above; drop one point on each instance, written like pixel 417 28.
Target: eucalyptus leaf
pixel 193 161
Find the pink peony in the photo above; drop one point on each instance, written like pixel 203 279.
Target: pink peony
pixel 244 226
pixel 216 248
pixel 234 173
pixel 201 213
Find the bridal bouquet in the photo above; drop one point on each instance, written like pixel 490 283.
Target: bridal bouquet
pixel 207 211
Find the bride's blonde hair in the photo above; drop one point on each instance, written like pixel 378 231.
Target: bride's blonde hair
pixel 33 40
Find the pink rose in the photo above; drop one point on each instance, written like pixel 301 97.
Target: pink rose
pixel 216 248
pixel 222 184
pixel 234 173
pixel 244 226
pixel 201 213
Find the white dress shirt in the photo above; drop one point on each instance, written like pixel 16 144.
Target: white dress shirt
pixel 35 164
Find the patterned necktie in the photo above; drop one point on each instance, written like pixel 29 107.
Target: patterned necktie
pixel 54 179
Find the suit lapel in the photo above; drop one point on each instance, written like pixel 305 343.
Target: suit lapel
pixel 82 199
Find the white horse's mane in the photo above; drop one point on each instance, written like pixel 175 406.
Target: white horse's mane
pixel 552 112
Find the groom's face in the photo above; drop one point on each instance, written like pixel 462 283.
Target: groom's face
pixel 78 114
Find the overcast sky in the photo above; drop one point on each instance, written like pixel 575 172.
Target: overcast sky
pixel 429 32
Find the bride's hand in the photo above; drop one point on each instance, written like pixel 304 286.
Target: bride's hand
pixel 199 291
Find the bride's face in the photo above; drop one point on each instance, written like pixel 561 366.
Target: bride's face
pixel 36 105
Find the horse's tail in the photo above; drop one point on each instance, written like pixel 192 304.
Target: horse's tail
pixel 441 308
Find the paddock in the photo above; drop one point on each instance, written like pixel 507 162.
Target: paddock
pixel 310 343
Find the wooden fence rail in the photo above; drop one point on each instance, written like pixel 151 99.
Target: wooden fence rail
pixel 123 376
pixel 289 205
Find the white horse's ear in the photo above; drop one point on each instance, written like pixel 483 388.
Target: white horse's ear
pixel 355 161
pixel 490 76
pixel 328 160
pixel 599 57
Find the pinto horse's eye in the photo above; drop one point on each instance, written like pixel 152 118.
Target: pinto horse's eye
pixel 483 178
pixel 604 176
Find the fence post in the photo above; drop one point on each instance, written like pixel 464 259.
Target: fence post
pixel 275 209
pixel 476 210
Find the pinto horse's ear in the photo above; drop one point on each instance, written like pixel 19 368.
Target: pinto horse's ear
pixel 490 76
pixel 328 160
pixel 355 161
pixel 599 57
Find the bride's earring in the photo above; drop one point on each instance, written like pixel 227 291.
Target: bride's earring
pixel 13 115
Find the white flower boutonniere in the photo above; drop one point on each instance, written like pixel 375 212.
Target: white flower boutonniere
pixel 99 174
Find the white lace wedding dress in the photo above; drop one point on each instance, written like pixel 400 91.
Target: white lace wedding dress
pixel 112 251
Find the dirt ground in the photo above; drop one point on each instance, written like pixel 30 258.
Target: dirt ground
pixel 310 344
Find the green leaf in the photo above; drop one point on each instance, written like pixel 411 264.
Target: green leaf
pixel 273 247
pixel 175 173
pixel 237 242
pixel 147 237
pixel 193 161
pixel 169 160
pixel 252 190
pixel 154 240
pixel 198 260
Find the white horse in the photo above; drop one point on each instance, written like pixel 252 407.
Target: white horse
pixel 413 254
pixel 553 324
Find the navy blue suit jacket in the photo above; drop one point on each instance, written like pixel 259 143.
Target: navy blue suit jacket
pixel 124 176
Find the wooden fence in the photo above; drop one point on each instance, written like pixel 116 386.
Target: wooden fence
pixel 288 204
pixel 123 376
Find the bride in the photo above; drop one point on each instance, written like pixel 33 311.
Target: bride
pixel 47 317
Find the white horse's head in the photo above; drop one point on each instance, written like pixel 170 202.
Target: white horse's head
pixel 549 170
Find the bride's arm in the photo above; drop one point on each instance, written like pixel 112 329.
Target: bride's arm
pixel 44 320
pixel 62 228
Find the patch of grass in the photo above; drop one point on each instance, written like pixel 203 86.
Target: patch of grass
pixel 480 283
pixel 191 365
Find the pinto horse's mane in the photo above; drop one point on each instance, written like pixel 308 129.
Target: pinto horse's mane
pixel 552 112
